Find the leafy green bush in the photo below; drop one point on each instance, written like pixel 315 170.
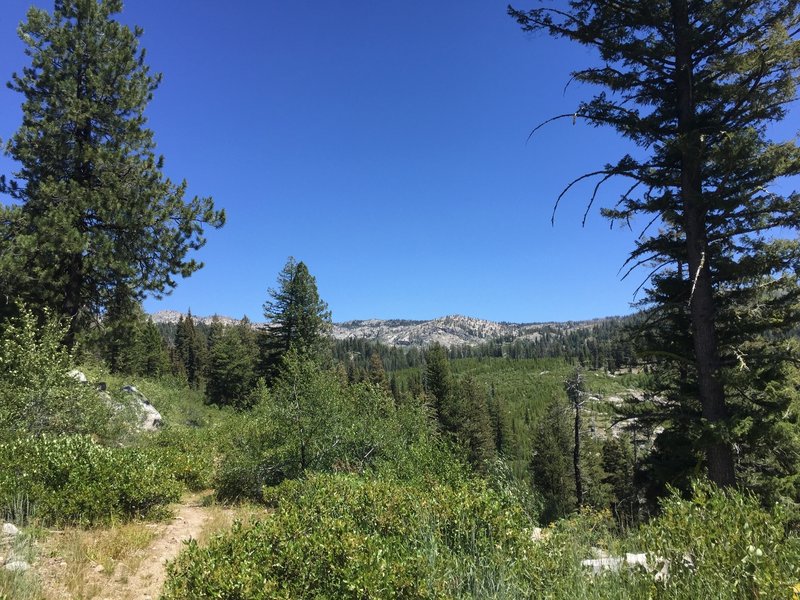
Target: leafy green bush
pixel 36 393
pixel 722 544
pixel 311 420
pixel 718 544
pixel 189 455
pixel 72 479
pixel 346 536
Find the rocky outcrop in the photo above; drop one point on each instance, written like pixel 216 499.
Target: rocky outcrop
pixel 150 418
pixel 453 330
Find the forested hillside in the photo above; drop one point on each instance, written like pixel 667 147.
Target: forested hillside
pixel 649 456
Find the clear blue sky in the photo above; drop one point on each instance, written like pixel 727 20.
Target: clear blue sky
pixel 384 144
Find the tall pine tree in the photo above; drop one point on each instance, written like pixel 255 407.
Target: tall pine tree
pixel 95 214
pixel 298 318
pixel 695 85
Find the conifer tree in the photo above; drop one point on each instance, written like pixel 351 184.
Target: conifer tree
pixel 474 427
pixel 377 374
pixel 551 467
pixel 298 317
pixel 191 350
pixel 231 373
pixel 695 85
pixel 95 214
pixel 439 385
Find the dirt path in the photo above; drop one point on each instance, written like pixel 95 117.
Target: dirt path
pixel 148 580
pixel 73 569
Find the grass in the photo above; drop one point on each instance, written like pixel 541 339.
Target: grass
pixel 19 585
pixel 81 560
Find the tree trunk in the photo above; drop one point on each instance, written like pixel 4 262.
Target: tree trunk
pixel 576 456
pixel 701 306
pixel 71 304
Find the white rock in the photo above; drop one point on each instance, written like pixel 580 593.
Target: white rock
pixel 639 559
pixel 77 376
pixel 149 418
pixel 611 563
pixel 17 565
pixel 10 529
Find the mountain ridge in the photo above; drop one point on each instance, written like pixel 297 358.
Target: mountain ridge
pixel 450 330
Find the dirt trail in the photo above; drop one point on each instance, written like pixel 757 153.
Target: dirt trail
pixel 139 576
pixel 148 580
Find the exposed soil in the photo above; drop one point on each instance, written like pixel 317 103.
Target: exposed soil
pixel 146 579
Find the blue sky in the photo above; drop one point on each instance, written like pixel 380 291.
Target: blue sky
pixel 384 144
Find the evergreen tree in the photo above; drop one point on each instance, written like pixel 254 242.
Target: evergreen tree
pixel 377 374
pixel 96 217
pixel 618 466
pixel 190 349
pixel 695 85
pixel 153 353
pixel 551 465
pixel 474 427
pixel 439 386
pixel 501 424
pixel 576 393
pixel 297 317
pixel 132 343
pixel 231 373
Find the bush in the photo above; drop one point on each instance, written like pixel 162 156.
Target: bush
pixel 73 480
pixel 719 544
pixel 722 544
pixel 36 394
pixel 313 421
pixel 189 455
pixel 345 536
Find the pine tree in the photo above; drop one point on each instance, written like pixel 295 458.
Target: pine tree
pixel 377 374
pixel 576 393
pixel 551 466
pixel 695 86
pixel 438 384
pixel 95 215
pixel 473 425
pixel 191 350
pixel 297 317
pixel 231 372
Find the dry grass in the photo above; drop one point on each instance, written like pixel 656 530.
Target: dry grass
pixel 80 562
pixel 76 563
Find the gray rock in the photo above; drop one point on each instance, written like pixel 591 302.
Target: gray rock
pixel 77 376
pixel 10 529
pixel 149 418
pixel 17 566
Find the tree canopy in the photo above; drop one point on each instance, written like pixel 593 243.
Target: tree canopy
pixel 298 317
pixel 94 213
pixel 695 86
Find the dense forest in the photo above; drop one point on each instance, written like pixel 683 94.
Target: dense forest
pixel 655 455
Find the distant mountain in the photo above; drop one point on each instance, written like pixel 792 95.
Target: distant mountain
pixel 449 331
pixel 173 316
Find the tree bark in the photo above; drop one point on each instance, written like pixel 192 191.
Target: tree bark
pixel 719 453
pixel 576 454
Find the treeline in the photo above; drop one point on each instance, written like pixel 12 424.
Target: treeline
pixel 609 344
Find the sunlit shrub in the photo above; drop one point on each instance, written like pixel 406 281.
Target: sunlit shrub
pixel 36 393
pixel 72 479
pixel 348 536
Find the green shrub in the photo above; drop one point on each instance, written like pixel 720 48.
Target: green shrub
pixel 313 421
pixel 719 544
pixel 36 394
pixel 723 544
pixel 189 455
pixel 345 536
pixel 72 479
